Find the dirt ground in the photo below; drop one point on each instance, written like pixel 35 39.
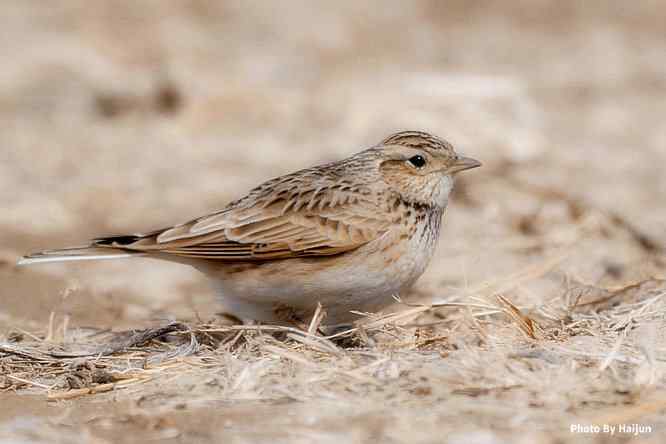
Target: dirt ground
pixel 125 116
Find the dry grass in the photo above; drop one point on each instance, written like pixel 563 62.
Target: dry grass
pixel 606 352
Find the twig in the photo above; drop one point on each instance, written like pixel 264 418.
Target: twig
pixel 318 316
pixel 25 352
pixel 25 381
pixel 70 394
pixel 135 339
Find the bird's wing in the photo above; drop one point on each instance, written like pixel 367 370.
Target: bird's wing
pixel 274 223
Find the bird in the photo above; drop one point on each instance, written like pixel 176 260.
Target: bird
pixel 348 235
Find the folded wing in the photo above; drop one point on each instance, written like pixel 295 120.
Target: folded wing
pixel 281 221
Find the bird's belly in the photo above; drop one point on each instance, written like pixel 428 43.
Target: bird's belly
pixel 362 280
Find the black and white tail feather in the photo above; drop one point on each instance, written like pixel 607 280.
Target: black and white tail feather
pixel 97 250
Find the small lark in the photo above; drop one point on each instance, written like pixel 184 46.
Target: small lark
pixel 347 234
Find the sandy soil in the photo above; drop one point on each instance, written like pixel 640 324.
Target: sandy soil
pixel 124 116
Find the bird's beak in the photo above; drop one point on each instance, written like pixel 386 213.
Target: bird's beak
pixel 462 164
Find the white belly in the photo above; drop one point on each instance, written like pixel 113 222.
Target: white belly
pixel 363 280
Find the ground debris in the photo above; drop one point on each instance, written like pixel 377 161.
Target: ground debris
pixel 122 341
pixel 588 298
pixel 86 373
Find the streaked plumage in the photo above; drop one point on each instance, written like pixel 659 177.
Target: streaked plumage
pixel 348 234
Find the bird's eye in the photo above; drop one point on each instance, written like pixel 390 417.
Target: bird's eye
pixel 417 161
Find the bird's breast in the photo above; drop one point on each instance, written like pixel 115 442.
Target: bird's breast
pixel 408 259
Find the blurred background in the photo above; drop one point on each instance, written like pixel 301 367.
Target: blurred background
pixel 127 116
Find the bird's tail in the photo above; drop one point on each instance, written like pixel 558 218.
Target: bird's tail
pixel 88 253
